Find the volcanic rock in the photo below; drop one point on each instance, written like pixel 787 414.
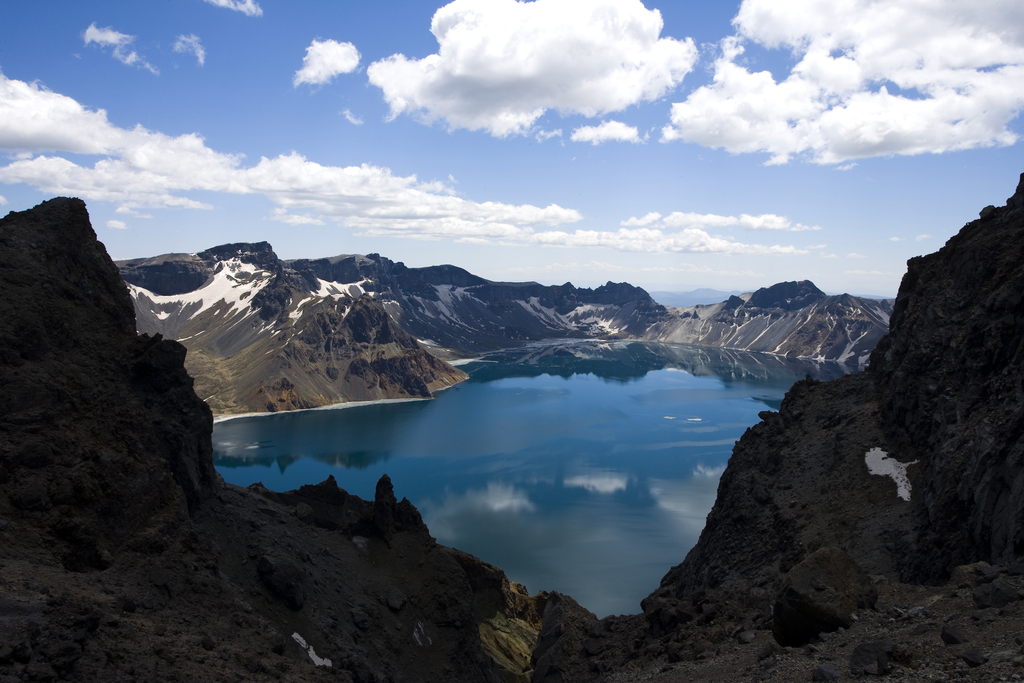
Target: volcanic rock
pixel 820 594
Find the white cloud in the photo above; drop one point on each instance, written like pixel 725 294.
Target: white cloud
pixel 126 211
pixel 501 64
pixel 352 118
pixel 282 216
pixel 679 219
pixel 605 267
pixel 895 239
pixel 117 225
pixel 141 168
pixel 847 167
pixel 855 255
pixel 324 60
pixel 543 135
pixel 3 200
pixel 190 44
pixel 922 237
pixel 690 240
pixel 108 37
pixel 247 7
pixel 608 130
pixel 871 78
pixel 650 219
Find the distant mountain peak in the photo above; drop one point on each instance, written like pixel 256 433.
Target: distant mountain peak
pixel 789 296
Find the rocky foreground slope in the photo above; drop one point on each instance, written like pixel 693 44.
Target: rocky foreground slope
pixel 124 556
pixel 875 524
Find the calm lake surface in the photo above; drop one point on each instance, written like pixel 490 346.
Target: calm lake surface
pixel 586 468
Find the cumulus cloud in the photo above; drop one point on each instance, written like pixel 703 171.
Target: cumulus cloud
pixel 871 78
pixel 607 131
pixel 126 211
pixel 281 215
pixel 3 200
pixel 690 240
pixel 678 219
pixel 247 7
pixel 922 237
pixel 543 135
pixel 605 267
pixel 117 225
pixel 324 60
pixel 141 168
pixel 502 64
pixel 895 239
pixel 121 44
pixel 190 44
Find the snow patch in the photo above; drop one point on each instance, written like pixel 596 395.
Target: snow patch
pixel 319 661
pixel 233 283
pixel 879 463
pixel 419 634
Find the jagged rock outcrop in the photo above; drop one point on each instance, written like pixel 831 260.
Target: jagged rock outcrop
pixel 949 376
pixel 942 396
pixel 101 427
pixel 123 555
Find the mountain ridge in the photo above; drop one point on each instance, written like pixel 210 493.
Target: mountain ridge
pixel 239 300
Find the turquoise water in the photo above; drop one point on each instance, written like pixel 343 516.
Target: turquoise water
pixel 587 468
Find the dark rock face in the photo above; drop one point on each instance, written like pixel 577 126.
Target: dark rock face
pixel 557 656
pixel 100 428
pixel 949 376
pixel 125 557
pixel 942 396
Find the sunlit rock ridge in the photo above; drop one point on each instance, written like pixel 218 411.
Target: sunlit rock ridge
pixel 270 334
pixel 263 337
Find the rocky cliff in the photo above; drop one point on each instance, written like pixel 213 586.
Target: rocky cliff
pixel 892 481
pixel 262 337
pixel 124 556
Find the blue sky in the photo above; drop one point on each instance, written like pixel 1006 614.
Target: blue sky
pixel 674 145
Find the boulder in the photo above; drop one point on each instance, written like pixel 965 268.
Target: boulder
pixel 871 658
pixel 818 595
pixel 283 579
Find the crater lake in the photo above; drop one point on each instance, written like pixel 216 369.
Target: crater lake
pixel 585 467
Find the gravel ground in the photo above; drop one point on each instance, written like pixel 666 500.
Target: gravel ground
pixel 911 618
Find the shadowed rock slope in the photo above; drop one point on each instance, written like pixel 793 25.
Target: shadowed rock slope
pixel 124 556
pixel 803 533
